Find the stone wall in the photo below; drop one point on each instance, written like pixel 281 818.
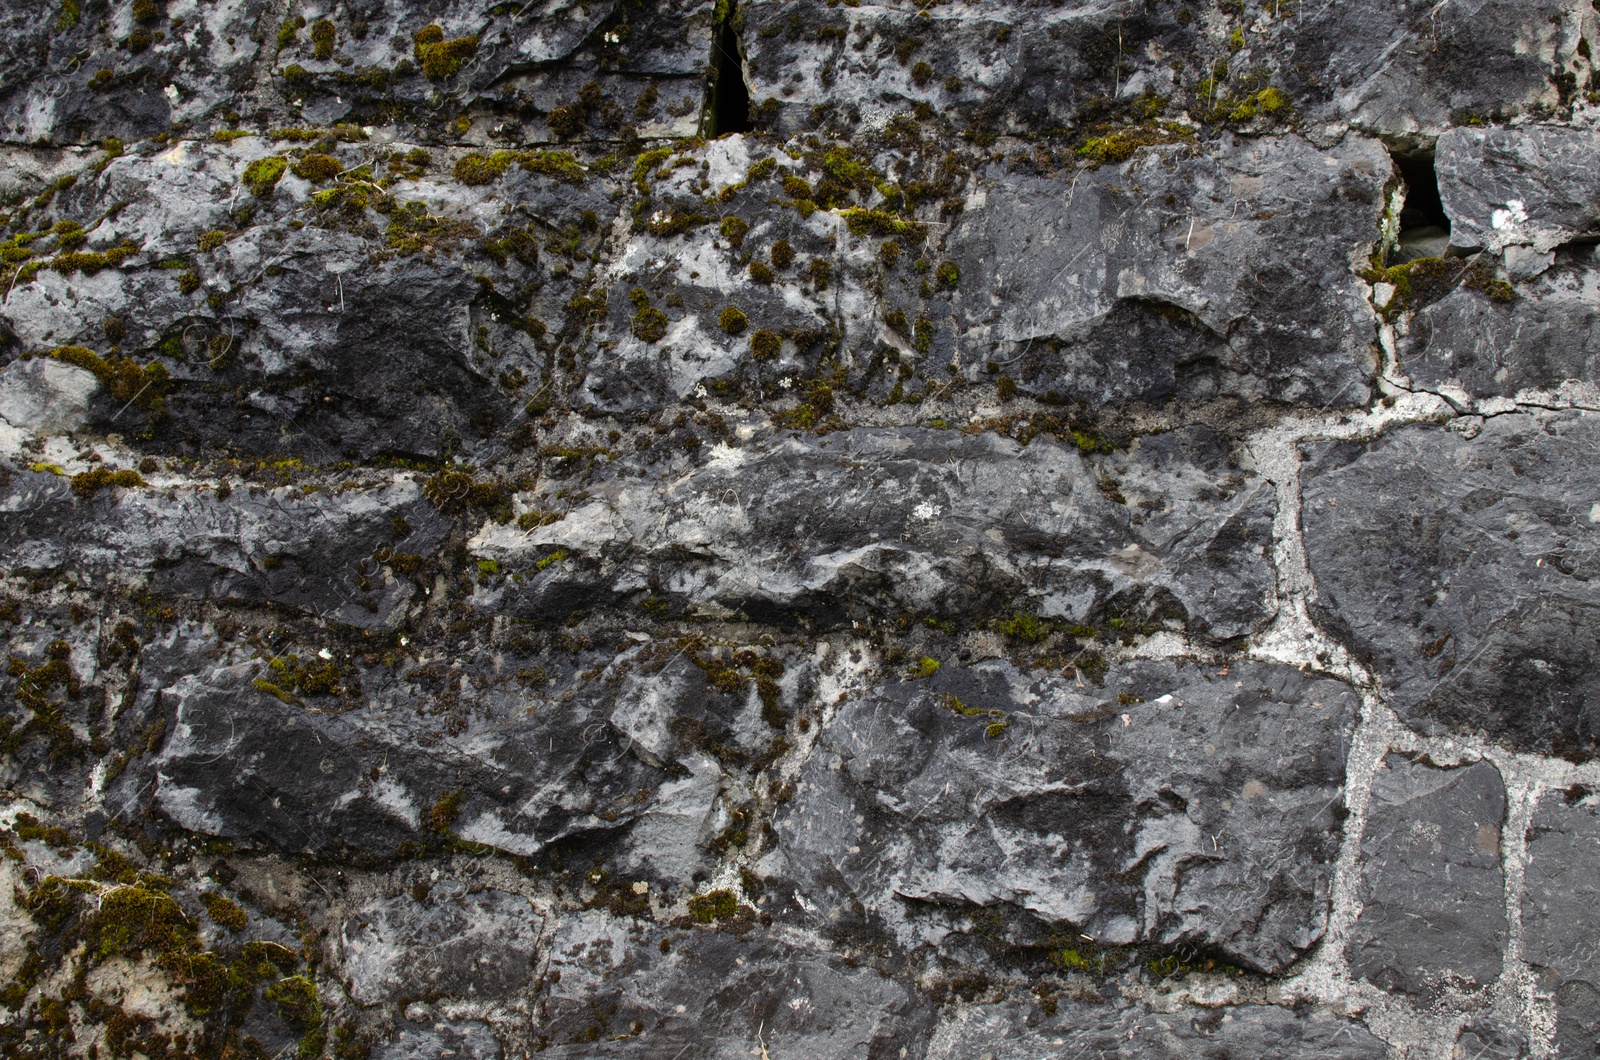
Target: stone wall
pixel 799 529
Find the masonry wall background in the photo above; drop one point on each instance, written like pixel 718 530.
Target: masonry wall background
pixel 799 529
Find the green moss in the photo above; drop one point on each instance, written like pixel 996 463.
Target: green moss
pixel 296 998
pixel 476 169
pixel 317 168
pixel 133 921
pixel 145 387
pixel 733 321
pixel 288 30
pixel 212 240
pixel 558 556
pixel 782 254
pixel 733 229
pixel 881 223
pixel 797 188
pixel 445 811
pixel 89 483
pixel 262 175
pixel 70 14
pixel 925 667
pixel 1075 959
pixel 650 324
pixel 674 222
pixel 261 684
pixel 765 345
pixel 761 273
pixel 1124 144
pixel 323 38
pixel 1030 629
pixel 645 163
pixel 223 912
pixel 713 906
pixel 439 58
pixel 412 230
pixel 558 164
pixel 948 273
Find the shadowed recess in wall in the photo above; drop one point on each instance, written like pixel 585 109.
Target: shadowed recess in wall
pixel 727 95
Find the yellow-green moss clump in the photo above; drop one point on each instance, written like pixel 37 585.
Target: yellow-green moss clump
pixel 262 175
pixel 224 912
pixel 881 223
pixel 765 345
pixel 317 168
pixel 439 58
pixel 1122 145
pixel 323 38
pixel 89 483
pixel 477 168
pixel 733 230
pixel 145 387
pixel 558 164
pixel 782 254
pixel 733 320
pixel 712 906
pixel 650 324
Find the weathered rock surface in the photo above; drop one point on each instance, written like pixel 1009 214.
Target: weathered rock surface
pixel 1471 344
pixel 1479 615
pixel 1173 806
pixel 869 522
pixel 1433 892
pixel 1558 914
pixel 1012 1032
pixel 1533 186
pixel 798 529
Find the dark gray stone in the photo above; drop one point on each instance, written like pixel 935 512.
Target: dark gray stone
pixel 254 546
pixel 933 522
pixel 1459 570
pixel 619 993
pixel 241 763
pixel 1171 806
pixel 1559 921
pixel 1432 889
pixel 1022 1032
pixel 1545 338
pixel 1535 186
pixel 1194 286
pixel 453 942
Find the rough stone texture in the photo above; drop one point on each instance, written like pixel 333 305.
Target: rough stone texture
pixel 798 529
pixel 1558 914
pixel 1433 893
pixel 1479 616
pixel 931 522
pixel 1533 186
pixel 1545 340
pixel 1172 806
pixel 1012 1032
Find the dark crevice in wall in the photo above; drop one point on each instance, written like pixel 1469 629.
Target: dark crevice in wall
pixel 727 97
pixel 1424 226
pixel 1423 207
